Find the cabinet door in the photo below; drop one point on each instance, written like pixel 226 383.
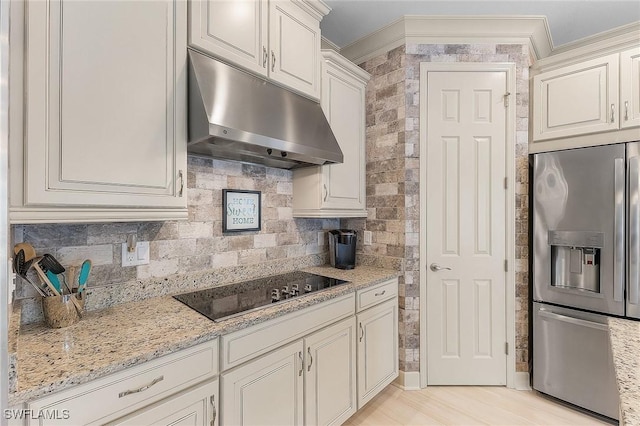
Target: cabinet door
pixel 630 88
pixel 105 103
pixel 343 103
pixel 577 99
pixel 294 42
pixel 233 30
pixel 330 383
pixel 194 407
pixel 377 349
pixel 266 391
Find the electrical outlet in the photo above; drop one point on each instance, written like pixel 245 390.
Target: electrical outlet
pixel 320 238
pixel 140 256
pixel 367 238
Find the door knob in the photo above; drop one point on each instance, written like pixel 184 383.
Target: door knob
pixel 435 267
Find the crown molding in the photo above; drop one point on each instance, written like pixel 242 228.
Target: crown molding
pixel 325 44
pixel 333 57
pixel 317 8
pixel 530 30
pixel 615 40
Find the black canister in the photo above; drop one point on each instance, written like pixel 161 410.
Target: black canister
pixel 342 248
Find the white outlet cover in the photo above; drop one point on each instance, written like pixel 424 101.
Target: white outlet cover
pixel 138 257
pixel 367 238
pixel 320 238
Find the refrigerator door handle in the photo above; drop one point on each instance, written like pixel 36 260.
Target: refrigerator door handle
pixel 571 320
pixel 618 250
pixel 634 230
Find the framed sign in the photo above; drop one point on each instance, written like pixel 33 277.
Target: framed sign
pixel 241 210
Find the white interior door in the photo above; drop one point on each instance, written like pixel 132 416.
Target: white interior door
pixel 466 229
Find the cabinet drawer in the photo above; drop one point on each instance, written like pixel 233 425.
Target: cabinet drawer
pixel 243 345
pixel 374 295
pixel 119 394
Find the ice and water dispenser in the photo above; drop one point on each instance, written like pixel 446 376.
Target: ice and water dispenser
pixel 575 259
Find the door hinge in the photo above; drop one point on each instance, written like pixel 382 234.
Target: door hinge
pixel 506 265
pixel 506 99
pixel 506 348
pixel 506 183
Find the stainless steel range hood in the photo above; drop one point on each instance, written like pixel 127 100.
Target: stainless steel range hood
pixel 236 116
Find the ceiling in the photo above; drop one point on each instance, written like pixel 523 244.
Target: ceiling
pixel 350 20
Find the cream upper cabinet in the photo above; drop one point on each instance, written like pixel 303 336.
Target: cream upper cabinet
pixel 630 87
pixel 337 190
pixel 587 96
pixel 232 30
pixel 576 99
pixel 104 113
pixel 278 39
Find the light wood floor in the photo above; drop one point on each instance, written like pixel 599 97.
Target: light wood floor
pixel 457 405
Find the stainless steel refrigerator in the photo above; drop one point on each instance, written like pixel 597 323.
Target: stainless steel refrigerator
pixel 586 266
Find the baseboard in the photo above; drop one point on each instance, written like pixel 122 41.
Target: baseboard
pixel 408 380
pixel 521 381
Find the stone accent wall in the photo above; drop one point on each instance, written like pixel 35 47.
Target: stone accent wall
pixel 195 245
pixel 393 170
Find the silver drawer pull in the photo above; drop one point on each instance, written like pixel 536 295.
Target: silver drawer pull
pixel 381 293
pixel 143 388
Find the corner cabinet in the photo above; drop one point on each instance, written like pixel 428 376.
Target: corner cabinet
pixel 586 103
pixel 276 39
pixel 337 190
pixel 104 136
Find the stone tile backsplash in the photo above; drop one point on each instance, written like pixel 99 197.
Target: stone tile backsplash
pixel 194 246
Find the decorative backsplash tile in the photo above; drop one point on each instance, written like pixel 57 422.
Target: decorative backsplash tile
pixel 193 246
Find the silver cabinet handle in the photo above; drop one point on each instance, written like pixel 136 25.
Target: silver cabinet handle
pixel 626 110
pixel 435 267
pixel 214 411
pixel 142 389
pixel 634 230
pixel 618 228
pixel 381 293
pixel 326 193
pixel 613 113
pixel 310 358
pixel 572 320
pixel 301 364
pixel 181 176
pixel 361 332
pixel 265 57
pixel 273 61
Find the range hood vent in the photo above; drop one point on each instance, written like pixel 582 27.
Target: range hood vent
pixel 236 116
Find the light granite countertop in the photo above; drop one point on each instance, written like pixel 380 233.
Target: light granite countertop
pixel 625 347
pixel 115 338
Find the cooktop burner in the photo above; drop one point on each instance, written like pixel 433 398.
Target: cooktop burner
pixel 231 300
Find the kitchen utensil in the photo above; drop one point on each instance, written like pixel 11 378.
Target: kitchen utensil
pixel 83 275
pixel 44 279
pixel 29 251
pixel 49 263
pixel 20 268
pixel 54 280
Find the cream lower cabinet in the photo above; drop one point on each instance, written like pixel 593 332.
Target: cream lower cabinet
pixel 277 39
pixel 311 381
pixel 99 128
pixel 337 190
pixel 193 407
pixel 180 388
pixel 377 340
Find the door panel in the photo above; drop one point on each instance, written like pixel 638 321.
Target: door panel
pixel 466 167
pixel 630 88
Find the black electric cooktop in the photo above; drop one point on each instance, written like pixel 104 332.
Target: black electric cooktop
pixel 230 300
